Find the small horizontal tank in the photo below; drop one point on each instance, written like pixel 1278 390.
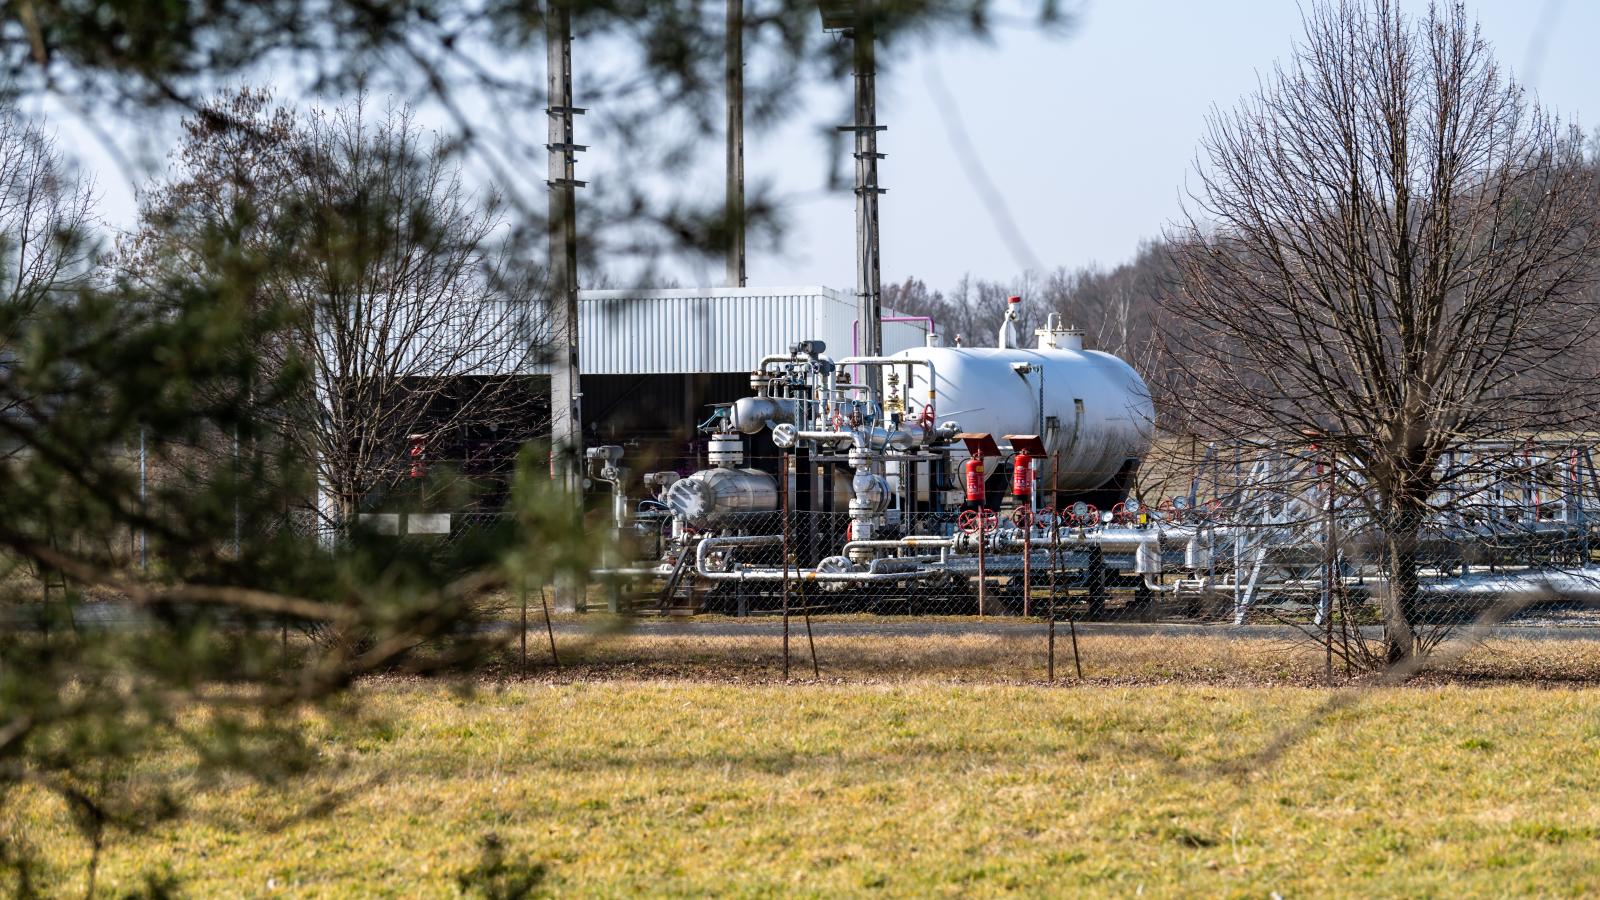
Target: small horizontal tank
pixel 710 496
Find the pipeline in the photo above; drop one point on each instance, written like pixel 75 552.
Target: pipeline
pixel 769 574
pixel 901 361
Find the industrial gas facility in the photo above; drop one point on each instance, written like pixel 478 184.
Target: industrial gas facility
pixel 749 443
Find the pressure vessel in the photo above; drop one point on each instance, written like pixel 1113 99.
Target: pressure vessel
pixel 1091 409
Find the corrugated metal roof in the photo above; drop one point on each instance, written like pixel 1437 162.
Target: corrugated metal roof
pixel 716 329
pixel 648 332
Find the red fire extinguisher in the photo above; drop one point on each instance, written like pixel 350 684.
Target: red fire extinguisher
pixel 1022 475
pixel 418 453
pixel 972 474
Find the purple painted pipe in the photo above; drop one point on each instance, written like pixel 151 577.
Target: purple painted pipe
pixel 855 329
pixel 855 334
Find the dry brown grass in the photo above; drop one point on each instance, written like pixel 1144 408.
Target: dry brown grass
pixel 1020 655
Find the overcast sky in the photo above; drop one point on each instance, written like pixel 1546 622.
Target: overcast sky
pixel 1087 138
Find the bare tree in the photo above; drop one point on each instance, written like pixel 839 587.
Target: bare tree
pixel 44 254
pixel 398 296
pixel 1385 257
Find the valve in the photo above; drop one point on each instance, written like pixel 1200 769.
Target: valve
pixel 1045 518
pixel 970 522
pixel 1085 513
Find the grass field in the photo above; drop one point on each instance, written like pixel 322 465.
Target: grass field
pixel 681 787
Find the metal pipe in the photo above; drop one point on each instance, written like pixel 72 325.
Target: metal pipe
pixel 1156 586
pixel 855 329
pixel 778 574
pixel 897 361
pixel 826 437
pixel 777 357
pixel 897 543
pixel 812 575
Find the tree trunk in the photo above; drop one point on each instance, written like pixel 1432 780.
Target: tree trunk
pixel 1400 600
pixel 349 506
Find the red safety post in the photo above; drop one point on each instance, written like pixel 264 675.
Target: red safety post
pixel 1023 517
pixel 982 591
pixel 980 446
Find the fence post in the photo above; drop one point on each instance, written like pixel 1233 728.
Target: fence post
pixel 1027 566
pixel 237 531
pixel 549 630
pixel 1329 560
pixel 1077 661
pixel 783 486
pixel 983 595
pixel 805 609
pixel 144 510
pixel 1055 567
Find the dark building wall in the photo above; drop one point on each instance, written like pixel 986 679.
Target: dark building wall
pixel 655 417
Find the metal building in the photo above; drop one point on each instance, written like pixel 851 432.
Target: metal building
pixel 653 364
pixel 720 329
pixel 656 362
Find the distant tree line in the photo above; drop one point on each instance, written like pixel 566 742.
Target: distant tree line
pixel 1114 307
pixel 1119 308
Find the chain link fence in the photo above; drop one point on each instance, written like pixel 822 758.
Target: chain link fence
pixel 1275 567
pixel 1241 563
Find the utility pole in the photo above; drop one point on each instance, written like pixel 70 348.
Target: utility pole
pixel 869 293
pixel 735 201
pixel 566 419
pixel 566 422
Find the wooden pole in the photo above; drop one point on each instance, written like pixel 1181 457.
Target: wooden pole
pixel 805 608
pixel 1072 625
pixel 549 630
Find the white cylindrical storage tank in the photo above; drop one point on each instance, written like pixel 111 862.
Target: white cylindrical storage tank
pixel 1091 409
